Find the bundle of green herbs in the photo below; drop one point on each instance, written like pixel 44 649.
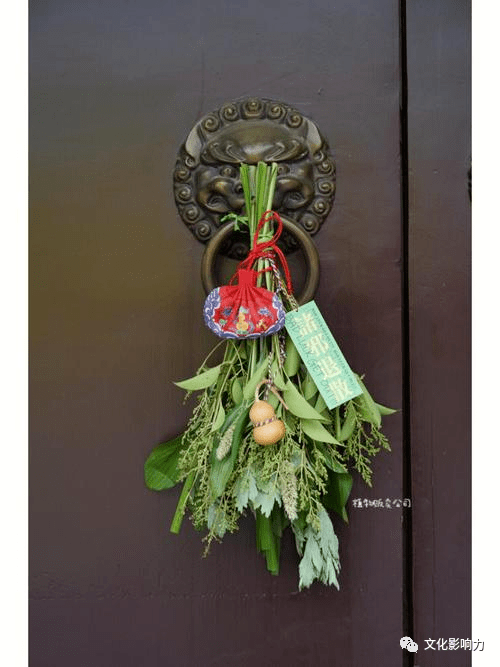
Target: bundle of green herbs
pixel 224 473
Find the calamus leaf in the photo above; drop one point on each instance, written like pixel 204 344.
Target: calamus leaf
pixel 268 542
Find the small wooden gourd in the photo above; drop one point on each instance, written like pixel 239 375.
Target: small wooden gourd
pixel 268 429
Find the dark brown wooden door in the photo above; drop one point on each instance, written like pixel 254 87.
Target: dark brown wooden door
pixel 116 316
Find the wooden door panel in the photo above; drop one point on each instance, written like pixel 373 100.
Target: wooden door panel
pixel 439 140
pixel 116 316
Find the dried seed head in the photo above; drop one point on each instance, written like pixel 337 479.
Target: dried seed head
pixel 225 443
pixel 288 488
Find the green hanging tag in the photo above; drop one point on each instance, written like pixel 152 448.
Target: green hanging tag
pixel 321 355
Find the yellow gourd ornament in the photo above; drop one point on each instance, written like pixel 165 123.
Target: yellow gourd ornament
pixel 268 429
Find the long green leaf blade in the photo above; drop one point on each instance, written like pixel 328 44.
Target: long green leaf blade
pixel 384 410
pixel 292 359
pixel 201 381
pixel 317 431
pixel 339 489
pixel 349 422
pixel 267 542
pixel 298 405
pixel 367 406
pixel 236 391
pixel 160 469
pixel 219 418
pixel 309 388
pixel 259 374
pixel 221 470
pixel 181 505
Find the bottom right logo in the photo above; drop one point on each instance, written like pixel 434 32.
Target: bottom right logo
pixel 408 644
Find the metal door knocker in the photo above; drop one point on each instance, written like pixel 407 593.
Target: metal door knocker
pixel 207 183
pixel 208 278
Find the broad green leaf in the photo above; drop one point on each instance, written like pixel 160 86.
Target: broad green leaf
pixel 221 470
pixel 278 379
pixel 330 459
pixel 336 466
pixel 298 404
pixel 320 406
pixel 289 419
pixel 201 381
pixel 367 407
pixel 259 374
pixel 181 504
pixel 317 431
pixel 231 416
pixel 349 422
pixel 220 416
pixel 385 410
pixel 338 490
pixel 236 391
pixel 160 469
pixel 292 360
pixel 309 388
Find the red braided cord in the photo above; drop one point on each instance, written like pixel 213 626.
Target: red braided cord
pixel 267 249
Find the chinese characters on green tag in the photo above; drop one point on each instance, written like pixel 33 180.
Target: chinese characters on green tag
pixel 321 355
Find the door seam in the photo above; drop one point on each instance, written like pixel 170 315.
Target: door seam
pixel 408 659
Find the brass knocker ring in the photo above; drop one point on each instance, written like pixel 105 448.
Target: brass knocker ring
pixel 304 240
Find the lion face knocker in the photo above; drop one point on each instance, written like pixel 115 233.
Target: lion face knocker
pixel 206 176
